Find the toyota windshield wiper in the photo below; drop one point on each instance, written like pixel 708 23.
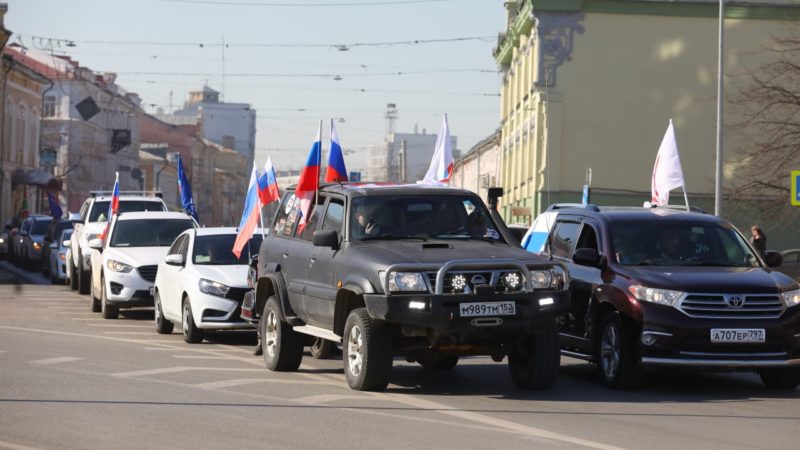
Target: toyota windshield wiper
pixel 394 237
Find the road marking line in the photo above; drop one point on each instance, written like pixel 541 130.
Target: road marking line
pixel 3 351
pixel 245 381
pixel 129 332
pixel 199 357
pixel 66 313
pixel 88 318
pixel 330 398
pixel 137 373
pixel 62 359
pixel 115 325
pixel 13 446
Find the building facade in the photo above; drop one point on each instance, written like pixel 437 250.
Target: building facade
pixel 480 168
pixel 403 157
pixel 594 83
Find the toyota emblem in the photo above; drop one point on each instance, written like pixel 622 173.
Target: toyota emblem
pixel 734 301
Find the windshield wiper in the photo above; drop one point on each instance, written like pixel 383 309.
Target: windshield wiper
pixel 390 237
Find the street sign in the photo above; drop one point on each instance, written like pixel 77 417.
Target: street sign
pixel 796 187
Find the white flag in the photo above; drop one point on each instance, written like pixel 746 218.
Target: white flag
pixel 667 173
pixel 442 163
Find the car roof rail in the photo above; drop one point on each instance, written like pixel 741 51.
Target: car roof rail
pixel 158 194
pixel 675 207
pixel 589 207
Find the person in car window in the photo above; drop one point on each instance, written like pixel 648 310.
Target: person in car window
pixel 671 248
pixel 476 226
pixel 365 227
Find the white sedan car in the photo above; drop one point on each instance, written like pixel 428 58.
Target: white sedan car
pixel 58 257
pixel 124 265
pixel 201 283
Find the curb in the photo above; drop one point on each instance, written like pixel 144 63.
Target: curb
pixel 28 277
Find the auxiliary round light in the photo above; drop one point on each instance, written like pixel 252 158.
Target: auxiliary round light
pixel 512 280
pixel 459 282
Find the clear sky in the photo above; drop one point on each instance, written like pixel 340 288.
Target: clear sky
pixel 268 63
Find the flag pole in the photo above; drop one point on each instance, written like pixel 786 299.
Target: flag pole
pixel 319 165
pixel 685 197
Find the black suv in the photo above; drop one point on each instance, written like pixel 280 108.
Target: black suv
pixel 667 287
pixel 422 272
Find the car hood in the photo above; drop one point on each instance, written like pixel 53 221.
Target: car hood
pixel 387 253
pixel 233 276
pixel 136 256
pixel 712 279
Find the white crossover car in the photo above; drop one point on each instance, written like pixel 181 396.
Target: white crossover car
pixel 201 284
pixel 124 265
pixel 58 256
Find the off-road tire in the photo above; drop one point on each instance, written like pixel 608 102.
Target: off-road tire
pixel 783 378
pixel 366 352
pixel 534 362
pixel 162 324
pixel 432 360
pixel 282 346
pixel 320 348
pixel 191 334
pixel 627 372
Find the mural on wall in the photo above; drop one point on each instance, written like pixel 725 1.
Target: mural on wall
pixel 555 32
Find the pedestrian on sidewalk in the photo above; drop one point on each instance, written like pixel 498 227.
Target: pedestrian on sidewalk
pixel 758 240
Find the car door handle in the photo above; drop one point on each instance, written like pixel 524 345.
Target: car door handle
pixel 285 255
pixel 313 260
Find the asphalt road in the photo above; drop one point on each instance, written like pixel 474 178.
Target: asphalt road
pixel 69 379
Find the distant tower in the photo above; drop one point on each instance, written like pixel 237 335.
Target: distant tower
pixel 391 117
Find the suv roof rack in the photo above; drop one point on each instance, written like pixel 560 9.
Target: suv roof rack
pixel 678 207
pixel 556 206
pixel 158 194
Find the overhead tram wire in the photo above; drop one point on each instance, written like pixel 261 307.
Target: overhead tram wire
pixel 306 4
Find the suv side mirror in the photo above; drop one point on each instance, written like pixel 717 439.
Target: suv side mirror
pixel 326 238
pixel 96 244
pixel 75 218
pixel 54 245
pixel 587 257
pixel 67 243
pixel 174 259
pixel 772 258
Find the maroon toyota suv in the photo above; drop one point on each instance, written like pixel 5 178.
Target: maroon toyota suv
pixel 671 288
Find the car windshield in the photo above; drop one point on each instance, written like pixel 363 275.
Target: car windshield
pixel 39 226
pixel 667 243
pixel 148 232
pixel 421 217
pixel 100 208
pixel 216 250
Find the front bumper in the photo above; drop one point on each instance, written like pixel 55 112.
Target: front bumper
pixel 442 313
pixel 686 341
pixel 217 313
pixel 128 289
pixel 249 313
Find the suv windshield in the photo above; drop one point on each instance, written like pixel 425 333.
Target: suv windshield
pixel 664 243
pixel 39 226
pixel 421 217
pixel 148 232
pixel 100 208
pixel 216 250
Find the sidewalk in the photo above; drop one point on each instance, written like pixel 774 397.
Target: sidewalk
pixel 11 274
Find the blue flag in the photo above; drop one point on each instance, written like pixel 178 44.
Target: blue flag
pixel 186 192
pixel 55 208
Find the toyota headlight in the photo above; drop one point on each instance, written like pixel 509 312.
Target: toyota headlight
pixel 116 266
pixel 659 296
pixel 407 281
pixel 791 298
pixel 213 288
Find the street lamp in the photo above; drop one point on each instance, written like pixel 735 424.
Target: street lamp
pixel 718 176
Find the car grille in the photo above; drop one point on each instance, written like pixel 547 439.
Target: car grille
pixel 492 278
pixel 236 294
pixel 715 306
pixel 148 272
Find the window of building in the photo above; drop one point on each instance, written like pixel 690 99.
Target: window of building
pixel 50 108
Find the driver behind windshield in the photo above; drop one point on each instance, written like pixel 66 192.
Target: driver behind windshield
pixel 365 226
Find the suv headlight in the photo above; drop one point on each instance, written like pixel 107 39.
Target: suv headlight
pixel 541 279
pixel 791 298
pixel 659 296
pixel 407 281
pixel 116 266
pixel 213 288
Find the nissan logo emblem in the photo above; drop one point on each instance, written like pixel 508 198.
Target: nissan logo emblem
pixel 477 280
pixel 734 301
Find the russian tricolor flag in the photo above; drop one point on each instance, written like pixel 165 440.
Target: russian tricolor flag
pixel 268 184
pixel 250 215
pixel 308 184
pixel 336 171
pixel 113 205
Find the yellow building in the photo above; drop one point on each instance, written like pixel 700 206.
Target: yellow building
pixel 593 84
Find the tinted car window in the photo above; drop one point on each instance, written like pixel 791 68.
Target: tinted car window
pixel 666 243
pixel 307 230
pixel 176 246
pixel 216 250
pixel 564 238
pixel 334 216
pixel 148 232
pixel 100 208
pixel 39 226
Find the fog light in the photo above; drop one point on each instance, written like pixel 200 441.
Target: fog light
pixel 416 305
pixel 648 339
pixel 512 280
pixel 459 282
pixel 546 301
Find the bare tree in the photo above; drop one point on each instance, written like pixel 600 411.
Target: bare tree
pixel 769 103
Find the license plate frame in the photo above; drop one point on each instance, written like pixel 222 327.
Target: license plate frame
pixel 487 309
pixel 738 335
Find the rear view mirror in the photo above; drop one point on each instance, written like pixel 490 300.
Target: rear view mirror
pixel 96 244
pixel 67 244
pixel 75 218
pixel 174 259
pixel 587 257
pixel 326 238
pixel 772 258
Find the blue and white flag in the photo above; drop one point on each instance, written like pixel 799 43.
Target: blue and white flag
pixel 186 192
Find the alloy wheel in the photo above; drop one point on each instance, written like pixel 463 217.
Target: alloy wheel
pixel 271 333
pixel 355 349
pixel 610 351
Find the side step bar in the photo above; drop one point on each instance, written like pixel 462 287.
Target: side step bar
pixel 318 332
pixel 577 355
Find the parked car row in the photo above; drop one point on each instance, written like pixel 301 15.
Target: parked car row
pixel 33 244
pixel 431 274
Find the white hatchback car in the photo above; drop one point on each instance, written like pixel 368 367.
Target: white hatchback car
pixel 124 265
pixel 200 283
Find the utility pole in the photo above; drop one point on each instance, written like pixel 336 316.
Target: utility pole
pixel 720 72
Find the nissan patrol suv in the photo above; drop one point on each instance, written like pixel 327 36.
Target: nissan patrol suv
pixel 89 224
pixel 417 271
pixel 670 288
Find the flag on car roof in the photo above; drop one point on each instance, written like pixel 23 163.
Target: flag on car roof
pixel 113 205
pixel 308 184
pixel 336 171
pixel 441 167
pixel 55 208
pixel 667 172
pixel 185 189
pixel 268 184
pixel 250 214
